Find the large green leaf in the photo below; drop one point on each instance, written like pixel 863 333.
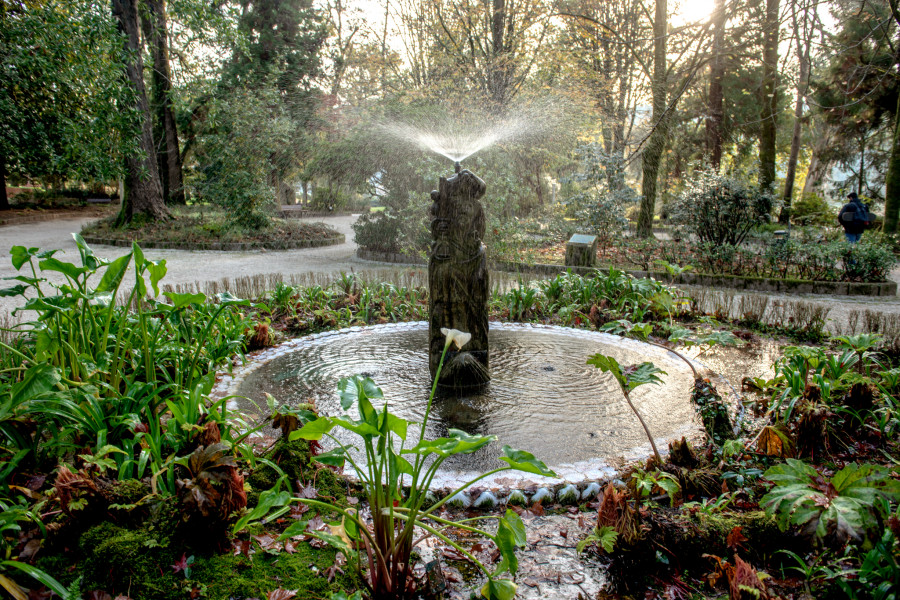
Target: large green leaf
pixel 20 255
pixel 333 458
pixel 88 259
pixel 510 535
pixel 353 389
pixel 314 430
pixel 458 442
pixel 66 268
pixel 16 290
pixel 41 576
pixel 525 461
pixel 114 273
pixel 37 380
pixel 182 300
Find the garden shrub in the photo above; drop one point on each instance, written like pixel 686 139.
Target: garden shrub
pixel 599 199
pixel 720 210
pixel 812 209
pixel 868 260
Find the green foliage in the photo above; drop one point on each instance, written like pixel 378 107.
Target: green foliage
pixel 720 210
pixel 868 260
pixel 62 98
pixel 604 536
pixel 392 461
pixel 846 506
pixel 645 483
pixel 812 209
pixel 629 377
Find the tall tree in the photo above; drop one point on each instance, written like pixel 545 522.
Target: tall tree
pixel 716 115
pixel 165 132
pixel 659 118
pixel 143 190
pixel 768 127
pixel 803 28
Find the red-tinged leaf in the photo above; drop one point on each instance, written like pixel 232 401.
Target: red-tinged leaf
pixel 453 554
pixel 332 572
pixel 307 491
pixel 268 542
pixel 736 538
pixel 531 582
pixel 564 534
pixel 290 547
pixel 281 594
pixel 535 510
pixel 183 564
pixel 298 510
pixel 241 547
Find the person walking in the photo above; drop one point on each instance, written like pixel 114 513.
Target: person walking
pixel 854 218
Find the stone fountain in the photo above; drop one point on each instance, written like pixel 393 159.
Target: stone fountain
pixel 458 280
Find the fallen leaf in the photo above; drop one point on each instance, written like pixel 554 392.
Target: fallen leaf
pixel 281 594
pixel 307 491
pixel 736 538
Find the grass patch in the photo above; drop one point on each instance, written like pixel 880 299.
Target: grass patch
pixel 208 224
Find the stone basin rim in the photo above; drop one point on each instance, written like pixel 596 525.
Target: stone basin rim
pixel 580 474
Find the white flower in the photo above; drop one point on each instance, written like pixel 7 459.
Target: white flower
pixel 455 336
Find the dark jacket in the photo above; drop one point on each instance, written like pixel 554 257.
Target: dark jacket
pixel 853 226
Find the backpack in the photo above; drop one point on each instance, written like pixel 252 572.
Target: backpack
pixel 862 216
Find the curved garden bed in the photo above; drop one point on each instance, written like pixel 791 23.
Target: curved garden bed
pixel 207 228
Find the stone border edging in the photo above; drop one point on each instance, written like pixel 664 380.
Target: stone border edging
pixel 754 284
pixel 40 218
pixel 221 246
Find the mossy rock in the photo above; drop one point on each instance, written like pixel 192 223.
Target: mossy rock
pixel 138 563
pixel 294 459
pixel 132 562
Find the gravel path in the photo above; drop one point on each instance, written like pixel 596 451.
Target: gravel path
pixel 187 267
pixel 184 266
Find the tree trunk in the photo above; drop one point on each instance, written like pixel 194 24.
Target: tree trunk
pixel 167 138
pixel 714 121
pixel 4 199
pixel 656 143
pixel 803 57
pixel 768 124
pixel 892 180
pixel 143 192
pixel 818 168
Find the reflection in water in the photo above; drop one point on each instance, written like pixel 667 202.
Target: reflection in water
pixel 542 397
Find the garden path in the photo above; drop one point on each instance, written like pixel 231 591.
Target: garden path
pixel 187 267
pixel 184 266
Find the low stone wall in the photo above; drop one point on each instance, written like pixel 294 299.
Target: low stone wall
pixel 299 213
pixel 222 246
pixel 40 218
pixel 750 284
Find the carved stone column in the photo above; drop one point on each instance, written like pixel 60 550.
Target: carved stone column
pixel 458 279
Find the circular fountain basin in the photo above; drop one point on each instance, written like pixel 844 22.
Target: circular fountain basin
pixel 542 396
